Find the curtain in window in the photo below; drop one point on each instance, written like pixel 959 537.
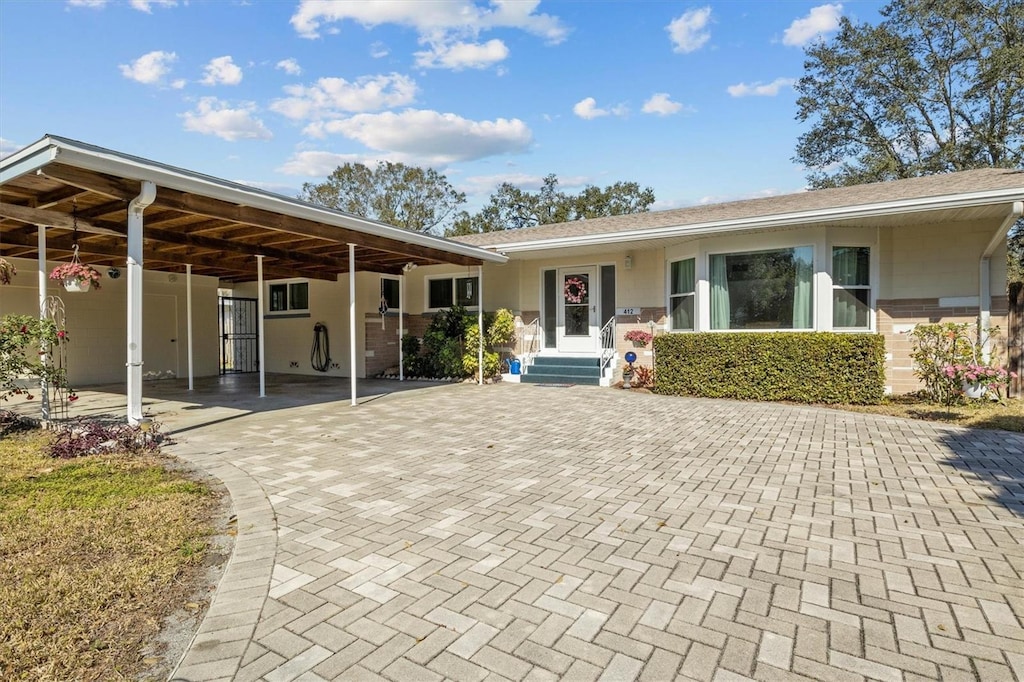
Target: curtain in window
pixel 802 287
pixel 719 293
pixel 683 278
pixel 844 272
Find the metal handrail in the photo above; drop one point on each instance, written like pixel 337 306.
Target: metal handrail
pixel 607 343
pixel 529 350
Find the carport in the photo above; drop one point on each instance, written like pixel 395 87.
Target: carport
pixel 125 211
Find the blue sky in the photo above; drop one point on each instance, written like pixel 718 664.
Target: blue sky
pixel 692 99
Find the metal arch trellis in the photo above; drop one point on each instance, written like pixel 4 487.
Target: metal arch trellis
pixel 55 393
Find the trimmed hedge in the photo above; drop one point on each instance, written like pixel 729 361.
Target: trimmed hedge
pixel 805 367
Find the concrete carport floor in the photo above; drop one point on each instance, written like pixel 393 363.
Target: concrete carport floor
pixel 531 532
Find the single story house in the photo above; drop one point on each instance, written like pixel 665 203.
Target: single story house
pixel 220 277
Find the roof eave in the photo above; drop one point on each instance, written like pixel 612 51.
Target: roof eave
pixel 959 201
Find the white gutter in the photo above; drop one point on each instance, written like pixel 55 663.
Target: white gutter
pixel 101 160
pixel 766 222
pixel 985 275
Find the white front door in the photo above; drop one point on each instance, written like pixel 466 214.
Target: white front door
pixel 577 310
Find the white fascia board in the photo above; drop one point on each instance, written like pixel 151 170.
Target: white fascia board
pixel 27 160
pixel 956 201
pixel 104 161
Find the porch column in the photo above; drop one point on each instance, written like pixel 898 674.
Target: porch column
pixel 352 321
pixel 44 392
pixel 259 326
pixel 480 321
pixel 135 209
pixel 188 314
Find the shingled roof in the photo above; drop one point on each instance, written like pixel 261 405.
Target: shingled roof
pixel 974 187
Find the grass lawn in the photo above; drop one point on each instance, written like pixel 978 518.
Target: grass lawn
pixel 978 414
pixel 94 552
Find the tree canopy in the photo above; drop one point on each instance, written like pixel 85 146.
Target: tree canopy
pixel 511 207
pixel 936 86
pixel 413 198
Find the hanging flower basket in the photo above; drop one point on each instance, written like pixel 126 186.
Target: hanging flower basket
pixel 575 290
pixel 639 337
pixel 7 271
pixel 76 276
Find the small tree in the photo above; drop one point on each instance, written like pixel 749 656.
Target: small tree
pixel 23 341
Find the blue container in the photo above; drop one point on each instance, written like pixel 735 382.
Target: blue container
pixel 515 367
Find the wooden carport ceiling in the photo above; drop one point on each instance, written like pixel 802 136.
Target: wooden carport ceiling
pixel 218 238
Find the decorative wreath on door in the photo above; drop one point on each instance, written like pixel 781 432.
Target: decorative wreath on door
pixel 575 290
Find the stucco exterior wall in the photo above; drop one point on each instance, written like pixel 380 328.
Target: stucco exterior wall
pixel 97 326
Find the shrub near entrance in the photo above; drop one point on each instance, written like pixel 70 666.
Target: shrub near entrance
pixel 805 367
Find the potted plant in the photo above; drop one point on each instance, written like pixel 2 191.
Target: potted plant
pixel 639 337
pixel 7 270
pixel 76 276
pixel 977 379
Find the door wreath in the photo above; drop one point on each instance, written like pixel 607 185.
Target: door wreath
pixel 575 290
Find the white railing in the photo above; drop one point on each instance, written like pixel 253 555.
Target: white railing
pixel 529 341
pixel 607 343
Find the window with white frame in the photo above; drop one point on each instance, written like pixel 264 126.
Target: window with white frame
pixel 681 294
pixel 449 291
pixel 851 287
pixel 763 289
pixel 290 296
pixel 390 292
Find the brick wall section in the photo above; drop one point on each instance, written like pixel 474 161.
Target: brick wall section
pixel 625 323
pixel 899 373
pixel 384 342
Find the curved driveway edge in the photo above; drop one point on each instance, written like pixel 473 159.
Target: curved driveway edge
pixel 229 625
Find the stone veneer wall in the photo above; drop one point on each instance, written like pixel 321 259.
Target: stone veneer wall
pixel 896 317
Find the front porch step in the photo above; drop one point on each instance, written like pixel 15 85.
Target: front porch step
pixel 560 369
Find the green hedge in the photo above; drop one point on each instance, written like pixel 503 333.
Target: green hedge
pixel 806 367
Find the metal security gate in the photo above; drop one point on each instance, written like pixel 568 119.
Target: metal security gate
pixel 239 335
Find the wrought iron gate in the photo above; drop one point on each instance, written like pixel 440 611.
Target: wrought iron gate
pixel 239 335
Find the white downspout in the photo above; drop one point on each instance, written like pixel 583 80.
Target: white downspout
pixel 352 321
pixel 44 390
pixel 135 209
pixel 261 342
pixel 188 307
pixel 401 326
pixel 985 275
pixel 480 321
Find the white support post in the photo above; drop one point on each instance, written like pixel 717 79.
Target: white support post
pixel 44 390
pixel 480 320
pixel 352 321
pixel 259 326
pixel 188 308
pixel 401 326
pixel 134 267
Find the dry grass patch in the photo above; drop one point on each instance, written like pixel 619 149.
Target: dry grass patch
pixel 980 414
pixel 95 552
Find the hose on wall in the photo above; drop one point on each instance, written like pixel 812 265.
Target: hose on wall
pixel 320 354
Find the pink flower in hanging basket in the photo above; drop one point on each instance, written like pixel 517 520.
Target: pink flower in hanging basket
pixel 78 272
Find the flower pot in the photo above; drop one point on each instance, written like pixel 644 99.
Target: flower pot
pixel 77 285
pixel 639 344
pixel 974 389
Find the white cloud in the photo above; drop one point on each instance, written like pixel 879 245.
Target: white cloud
pixel 332 97
pixel 483 185
pixel 275 187
pixel 661 104
pixel 178 83
pixel 91 4
pixel 222 71
pixel 430 19
pixel 147 5
pixel 759 194
pixel 317 164
pixel 689 31
pixel 430 137
pixel 587 108
pixel 379 50
pixel 821 20
pixel 215 117
pixel 760 89
pixel 458 56
pixel 289 66
pixel 8 147
pixel 150 68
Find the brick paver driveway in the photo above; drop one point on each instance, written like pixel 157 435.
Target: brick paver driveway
pixel 522 532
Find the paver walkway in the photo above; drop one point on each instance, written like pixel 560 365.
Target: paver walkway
pixel 530 533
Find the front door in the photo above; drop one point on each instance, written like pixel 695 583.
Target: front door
pixel 577 310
